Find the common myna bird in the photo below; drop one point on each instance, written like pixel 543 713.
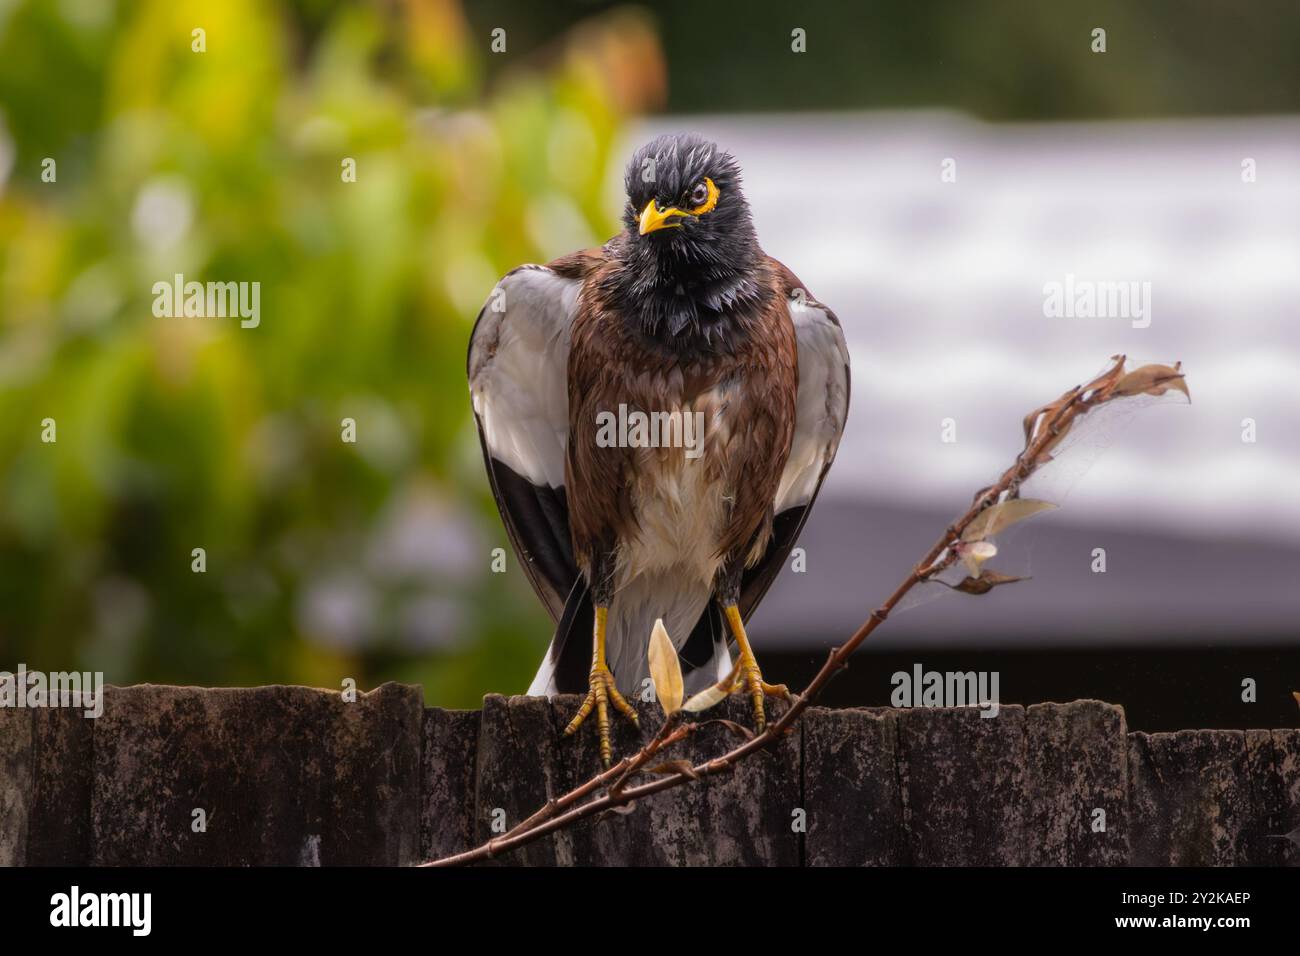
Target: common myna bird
pixel 657 416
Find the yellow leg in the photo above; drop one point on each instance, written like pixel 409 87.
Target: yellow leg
pixel 602 692
pixel 749 672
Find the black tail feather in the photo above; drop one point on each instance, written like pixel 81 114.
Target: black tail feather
pixel 571 647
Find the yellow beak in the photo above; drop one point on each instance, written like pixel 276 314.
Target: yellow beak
pixel 652 217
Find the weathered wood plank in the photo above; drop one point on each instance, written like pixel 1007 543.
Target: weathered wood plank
pixel 515 772
pixel 963 786
pixel 285 775
pixel 1209 797
pixel 60 833
pixel 448 773
pixel 851 795
pixel 16 768
pixel 1285 838
pixel 1077 757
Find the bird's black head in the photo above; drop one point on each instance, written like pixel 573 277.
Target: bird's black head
pixel 689 247
pixel 684 198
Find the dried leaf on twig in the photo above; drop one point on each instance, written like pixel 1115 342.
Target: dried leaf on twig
pixel 996 518
pixel 1059 416
pixel 734 727
pixel 715 694
pixel 985 583
pixel 665 669
pixel 1152 380
pixel 1039 416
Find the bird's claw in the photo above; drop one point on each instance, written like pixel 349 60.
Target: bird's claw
pixel 751 680
pixel 602 692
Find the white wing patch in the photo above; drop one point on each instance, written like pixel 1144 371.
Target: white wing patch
pixel 822 404
pixel 518 367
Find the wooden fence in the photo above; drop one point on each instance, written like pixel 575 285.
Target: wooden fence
pixel 292 775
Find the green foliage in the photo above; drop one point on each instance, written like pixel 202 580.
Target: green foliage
pixel 324 559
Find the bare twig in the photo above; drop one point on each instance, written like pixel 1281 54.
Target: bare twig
pixel 1045 428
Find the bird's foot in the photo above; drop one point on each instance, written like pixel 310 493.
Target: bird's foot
pixel 751 681
pixel 599 697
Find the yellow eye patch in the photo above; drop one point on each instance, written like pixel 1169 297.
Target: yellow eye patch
pixel 708 204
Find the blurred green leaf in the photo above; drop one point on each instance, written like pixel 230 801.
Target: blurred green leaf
pixel 324 559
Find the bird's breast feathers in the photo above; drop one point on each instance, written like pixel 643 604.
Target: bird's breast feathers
pixel 681 494
pixel 679 458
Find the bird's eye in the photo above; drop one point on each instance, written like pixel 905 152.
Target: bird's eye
pixel 700 194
